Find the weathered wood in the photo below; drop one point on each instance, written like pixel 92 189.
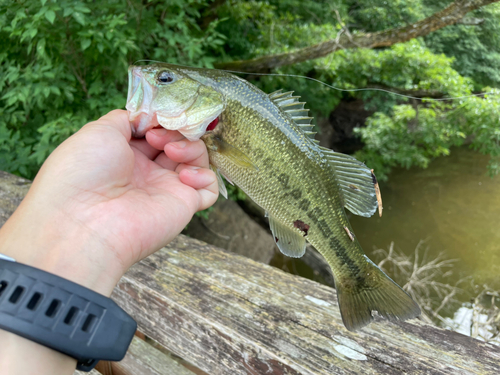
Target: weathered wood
pixel 12 191
pixel 93 372
pixel 144 359
pixel 230 315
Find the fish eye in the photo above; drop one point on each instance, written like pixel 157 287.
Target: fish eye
pixel 165 77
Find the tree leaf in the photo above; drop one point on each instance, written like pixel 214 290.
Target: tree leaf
pixel 68 11
pixel 79 17
pixel 50 15
pixel 85 43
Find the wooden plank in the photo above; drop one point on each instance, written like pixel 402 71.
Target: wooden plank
pixel 230 315
pixel 144 359
pixel 12 191
pixel 141 359
pixel 93 372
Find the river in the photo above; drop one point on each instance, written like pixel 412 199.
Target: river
pixel 453 205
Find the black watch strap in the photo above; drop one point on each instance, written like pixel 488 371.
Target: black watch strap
pixel 62 315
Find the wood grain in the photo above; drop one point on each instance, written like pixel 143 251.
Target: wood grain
pixel 93 372
pixel 230 315
pixel 141 359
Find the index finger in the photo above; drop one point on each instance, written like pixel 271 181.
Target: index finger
pixel 116 120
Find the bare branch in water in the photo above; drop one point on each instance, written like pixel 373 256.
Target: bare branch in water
pixel 420 277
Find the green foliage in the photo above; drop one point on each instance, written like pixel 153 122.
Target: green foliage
pixel 376 15
pixel 235 193
pixel 413 137
pixel 64 63
pixel 475 48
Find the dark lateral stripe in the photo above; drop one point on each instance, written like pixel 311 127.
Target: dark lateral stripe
pixel 343 254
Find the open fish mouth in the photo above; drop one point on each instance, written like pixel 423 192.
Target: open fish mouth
pixel 189 109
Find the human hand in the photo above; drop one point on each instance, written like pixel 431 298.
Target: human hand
pixel 102 202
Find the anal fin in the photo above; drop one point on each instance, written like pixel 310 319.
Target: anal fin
pixel 290 242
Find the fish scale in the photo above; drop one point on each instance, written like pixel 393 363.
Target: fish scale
pixel 264 145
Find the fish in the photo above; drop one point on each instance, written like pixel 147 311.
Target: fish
pixel 265 144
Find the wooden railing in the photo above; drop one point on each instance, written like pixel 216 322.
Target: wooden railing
pixel 228 315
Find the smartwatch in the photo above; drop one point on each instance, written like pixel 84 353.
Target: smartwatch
pixel 62 315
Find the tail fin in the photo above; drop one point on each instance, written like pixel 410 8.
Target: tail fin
pixel 376 292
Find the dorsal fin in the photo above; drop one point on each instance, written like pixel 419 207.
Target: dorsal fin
pixel 292 107
pixel 358 183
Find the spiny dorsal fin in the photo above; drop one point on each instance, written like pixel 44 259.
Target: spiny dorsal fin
pixel 357 183
pixel 295 109
pixel 290 242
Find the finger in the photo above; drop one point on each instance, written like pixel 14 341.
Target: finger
pixel 163 161
pixel 186 152
pixel 159 137
pixel 195 177
pixel 116 120
pixel 141 145
pixel 203 180
pixel 208 197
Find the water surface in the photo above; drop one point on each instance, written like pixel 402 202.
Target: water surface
pixel 453 205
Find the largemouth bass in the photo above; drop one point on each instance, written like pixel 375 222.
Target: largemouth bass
pixel 265 145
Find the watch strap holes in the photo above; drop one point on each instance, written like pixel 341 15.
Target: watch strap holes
pixel 34 301
pixel 88 324
pixel 3 286
pixel 71 315
pixel 16 294
pixel 52 309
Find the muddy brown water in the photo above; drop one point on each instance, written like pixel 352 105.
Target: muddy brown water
pixel 453 205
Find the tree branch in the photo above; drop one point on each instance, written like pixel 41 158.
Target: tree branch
pixel 448 16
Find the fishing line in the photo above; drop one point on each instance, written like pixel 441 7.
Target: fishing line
pixel 338 88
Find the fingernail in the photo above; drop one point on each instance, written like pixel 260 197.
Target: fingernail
pixel 193 170
pixel 180 144
pixel 160 132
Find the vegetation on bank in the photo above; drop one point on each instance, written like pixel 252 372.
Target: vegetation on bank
pixel 63 63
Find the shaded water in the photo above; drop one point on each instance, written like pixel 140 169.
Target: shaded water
pixel 453 205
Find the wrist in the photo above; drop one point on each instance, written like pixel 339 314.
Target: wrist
pixel 65 317
pixel 50 241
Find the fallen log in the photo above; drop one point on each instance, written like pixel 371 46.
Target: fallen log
pixel 227 314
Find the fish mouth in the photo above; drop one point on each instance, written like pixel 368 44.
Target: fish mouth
pixel 141 123
pixel 140 95
pixel 190 117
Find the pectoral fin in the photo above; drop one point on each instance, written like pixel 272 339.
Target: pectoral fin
pixel 291 243
pixel 216 144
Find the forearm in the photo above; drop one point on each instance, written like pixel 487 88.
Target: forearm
pixel 20 356
pixel 76 256
pixel 48 239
